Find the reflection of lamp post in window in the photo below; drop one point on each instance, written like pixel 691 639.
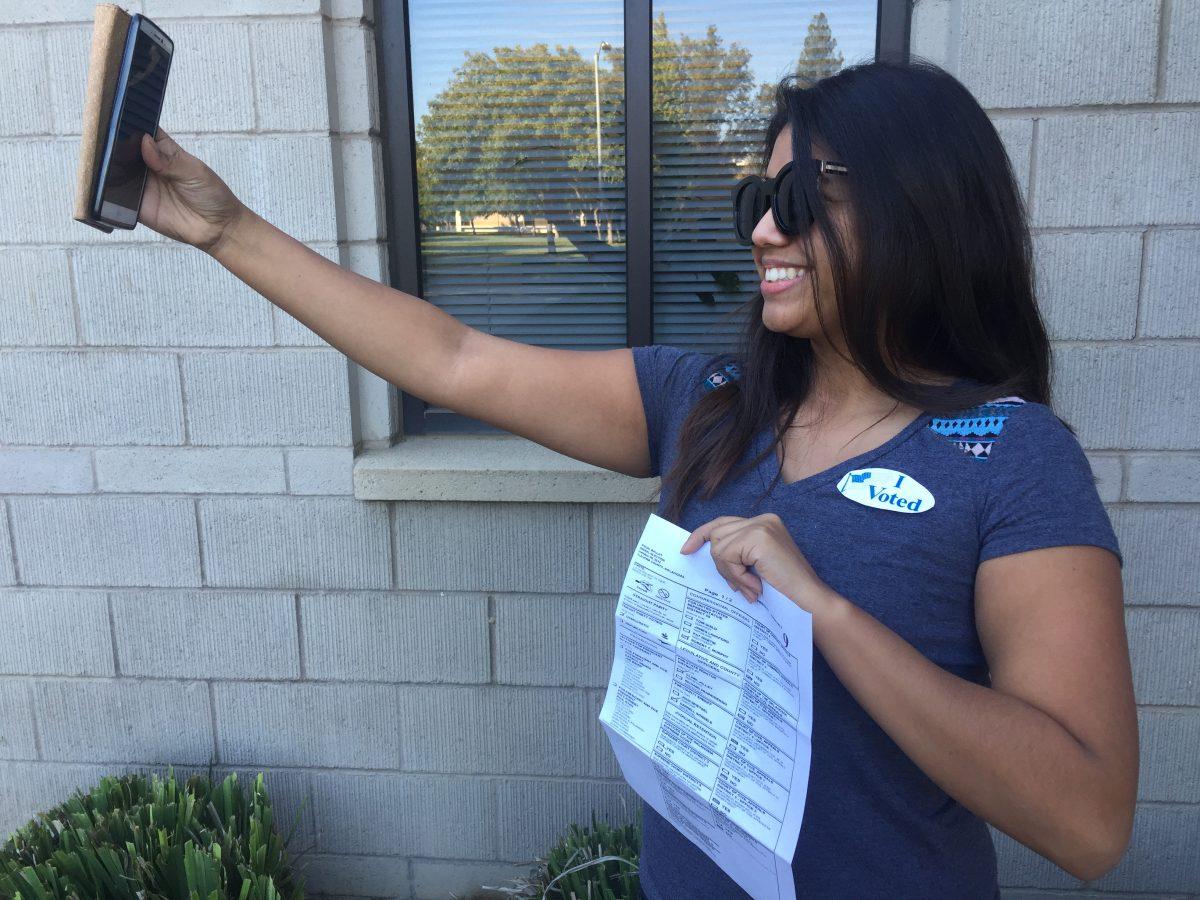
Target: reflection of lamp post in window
pixel 604 45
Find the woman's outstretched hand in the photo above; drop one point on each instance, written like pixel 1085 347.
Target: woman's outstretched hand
pixel 764 543
pixel 185 199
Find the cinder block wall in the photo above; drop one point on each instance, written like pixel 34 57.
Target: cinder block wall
pixel 186 578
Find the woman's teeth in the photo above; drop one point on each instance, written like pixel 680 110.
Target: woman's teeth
pixel 776 274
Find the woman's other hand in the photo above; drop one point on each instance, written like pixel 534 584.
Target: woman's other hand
pixel 764 543
pixel 185 199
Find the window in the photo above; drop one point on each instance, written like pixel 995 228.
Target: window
pixel 559 171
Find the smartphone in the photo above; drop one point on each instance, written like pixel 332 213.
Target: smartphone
pixel 141 87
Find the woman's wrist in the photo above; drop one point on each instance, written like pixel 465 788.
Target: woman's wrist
pixel 232 236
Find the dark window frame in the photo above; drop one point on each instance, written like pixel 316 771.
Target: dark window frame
pixel 399 172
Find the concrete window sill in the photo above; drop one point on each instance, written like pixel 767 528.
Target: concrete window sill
pixel 490 467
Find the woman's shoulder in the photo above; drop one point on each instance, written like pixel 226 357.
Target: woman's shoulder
pixel 989 428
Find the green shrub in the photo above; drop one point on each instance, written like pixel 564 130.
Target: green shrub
pixel 133 838
pixel 597 863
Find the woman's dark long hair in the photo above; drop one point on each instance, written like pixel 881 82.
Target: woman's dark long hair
pixel 942 280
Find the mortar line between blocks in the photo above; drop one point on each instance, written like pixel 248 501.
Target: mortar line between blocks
pixel 31 696
pixel 491 627
pixel 75 317
pixel 12 539
pixel 1164 34
pixel 212 718
pixel 1139 324
pixel 200 543
pixel 112 634
pixel 183 404
pixel 1032 174
pixel 300 639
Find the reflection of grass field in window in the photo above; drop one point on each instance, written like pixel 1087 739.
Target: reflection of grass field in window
pixel 440 244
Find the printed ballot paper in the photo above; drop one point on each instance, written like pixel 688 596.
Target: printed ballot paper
pixel 709 708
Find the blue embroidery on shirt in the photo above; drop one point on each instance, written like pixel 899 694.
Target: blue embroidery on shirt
pixel 722 377
pixel 974 431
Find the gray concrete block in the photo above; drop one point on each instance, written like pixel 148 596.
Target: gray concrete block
pixel 17 740
pixel 106 541
pixel 25 100
pixel 191 470
pixel 366 876
pixel 212 87
pixel 41 173
pixel 1164 477
pixel 1106 469
pixel 1162 855
pixel 1181 78
pixel 396 637
pixel 1017 136
pixel 1058 54
pixel 1087 283
pixel 68 48
pixel 497 546
pixel 1130 396
pixel 29 788
pixel 1164 647
pixel 566 640
pixel 219 634
pixel 165 296
pixel 616 528
pixel 43 470
pixel 1171 294
pixel 286 54
pixel 35 296
pixel 432 816
pixel 55 632
pixel 1159 548
pixel 173 8
pixel 931 26
pixel 251 166
pixel 534 813
pixel 491 729
pixel 354 70
pixel 330 725
pixel 1169 770
pixel 8 570
pixel 320 470
pixel 437 880
pixel 276 397
pixel 45 11
pixel 295 542
pixel 1117 168
pixel 120 720
pixel 89 397
pixel 361 160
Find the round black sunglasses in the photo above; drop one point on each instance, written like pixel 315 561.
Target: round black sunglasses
pixel 754 195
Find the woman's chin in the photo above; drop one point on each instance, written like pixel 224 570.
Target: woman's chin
pixel 791 322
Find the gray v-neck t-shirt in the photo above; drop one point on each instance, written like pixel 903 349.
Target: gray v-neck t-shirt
pixel 1004 477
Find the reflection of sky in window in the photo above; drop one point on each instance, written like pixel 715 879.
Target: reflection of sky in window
pixel 441 30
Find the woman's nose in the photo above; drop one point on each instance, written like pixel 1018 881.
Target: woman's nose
pixel 767 233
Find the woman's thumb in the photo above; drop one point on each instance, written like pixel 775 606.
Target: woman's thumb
pixel 159 154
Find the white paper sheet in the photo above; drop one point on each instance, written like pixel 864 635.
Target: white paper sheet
pixel 709 708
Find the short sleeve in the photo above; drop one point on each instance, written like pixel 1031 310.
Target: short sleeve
pixel 670 380
pixel 1041 491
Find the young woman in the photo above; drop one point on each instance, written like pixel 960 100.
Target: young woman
pixel 971 664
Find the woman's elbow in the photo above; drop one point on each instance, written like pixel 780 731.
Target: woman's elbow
pixel 1102 840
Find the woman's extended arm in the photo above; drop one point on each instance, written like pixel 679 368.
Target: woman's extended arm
pixel 583 403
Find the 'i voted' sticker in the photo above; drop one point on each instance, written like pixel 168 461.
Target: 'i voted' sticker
pixel 886 489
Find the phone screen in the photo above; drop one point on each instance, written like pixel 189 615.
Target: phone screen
pixel 143 95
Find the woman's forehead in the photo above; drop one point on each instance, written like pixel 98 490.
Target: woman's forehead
pixel 781 153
